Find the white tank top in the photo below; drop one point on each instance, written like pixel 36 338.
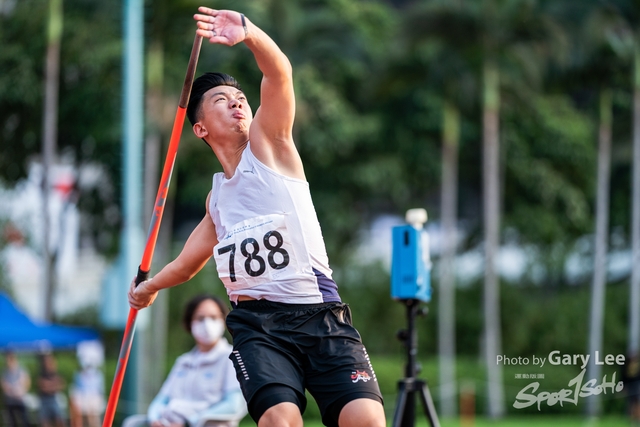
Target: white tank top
pixel 270 245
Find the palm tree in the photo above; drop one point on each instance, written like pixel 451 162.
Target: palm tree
pixel 517 41
pixel 602 231
pixel 628 45
pixel 447 295
pixel 604 32
pixel 446 26
pixel 491 215
pixel 514 40
pixel 49 142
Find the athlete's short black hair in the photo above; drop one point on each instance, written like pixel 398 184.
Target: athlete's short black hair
pixel 193 304
pixel 201 85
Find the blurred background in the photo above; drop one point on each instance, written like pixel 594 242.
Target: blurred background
pixel 515 123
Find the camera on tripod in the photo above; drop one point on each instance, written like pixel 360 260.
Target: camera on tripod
pixel 410 260
pixel 411 285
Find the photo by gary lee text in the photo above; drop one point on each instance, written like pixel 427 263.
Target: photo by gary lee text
pixel 557 358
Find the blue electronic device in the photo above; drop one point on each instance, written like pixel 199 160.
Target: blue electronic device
pixel 410 264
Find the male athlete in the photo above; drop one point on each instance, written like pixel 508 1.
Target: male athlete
pixel 290 330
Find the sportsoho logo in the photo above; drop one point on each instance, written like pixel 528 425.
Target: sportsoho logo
pixel 578 387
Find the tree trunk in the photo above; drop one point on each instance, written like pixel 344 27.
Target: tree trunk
pixel 49 142
pixel 491 186
pixel 446 303
pixel 634 307
pixel 600 257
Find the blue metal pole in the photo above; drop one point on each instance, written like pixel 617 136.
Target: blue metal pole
pixel 133 134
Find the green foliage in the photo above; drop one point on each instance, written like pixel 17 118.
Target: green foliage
pixel 370 81
pixel 20 83
pixel 550 158
pixel 89 101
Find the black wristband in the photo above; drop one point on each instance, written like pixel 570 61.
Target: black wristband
pixel 244 25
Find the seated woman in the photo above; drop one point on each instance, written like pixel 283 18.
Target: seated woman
pixel 202 384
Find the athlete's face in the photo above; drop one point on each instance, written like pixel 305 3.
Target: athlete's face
pixel 224 113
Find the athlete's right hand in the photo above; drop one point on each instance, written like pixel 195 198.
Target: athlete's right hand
pixel 141 296
pixel 221 26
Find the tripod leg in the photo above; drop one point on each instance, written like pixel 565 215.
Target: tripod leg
pixel 400 405
pixel 409 415
pixel 429 407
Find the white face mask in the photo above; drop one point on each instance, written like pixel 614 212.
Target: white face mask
pixel 208 330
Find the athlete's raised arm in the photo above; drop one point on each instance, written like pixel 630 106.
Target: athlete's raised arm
pixel 271 130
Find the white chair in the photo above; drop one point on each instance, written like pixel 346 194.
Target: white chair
pixel 134 420
pixel 223 420
pixel 231 420
pixel 32 403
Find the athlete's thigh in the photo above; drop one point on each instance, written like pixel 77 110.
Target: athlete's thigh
pixel 285 414
pixel 339 369
pixel 362 413
pixel 261 358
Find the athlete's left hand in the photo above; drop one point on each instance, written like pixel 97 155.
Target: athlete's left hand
pixel 141 296
pixel 220 26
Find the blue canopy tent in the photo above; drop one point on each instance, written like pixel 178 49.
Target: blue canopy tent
pixel 19 333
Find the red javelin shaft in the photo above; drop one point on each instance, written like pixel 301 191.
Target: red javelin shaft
pixel 154 228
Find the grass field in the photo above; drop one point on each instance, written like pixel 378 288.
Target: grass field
pixel 470 377
pixel 541 421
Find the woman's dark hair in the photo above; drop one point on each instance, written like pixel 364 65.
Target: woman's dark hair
pixel 193 304
pixel 200 86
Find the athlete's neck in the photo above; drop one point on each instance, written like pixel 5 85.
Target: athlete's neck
pixel 229 156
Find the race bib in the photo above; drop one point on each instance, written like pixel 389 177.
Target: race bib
pixel 255 251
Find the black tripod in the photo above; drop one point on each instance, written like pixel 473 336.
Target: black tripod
pixel 405 415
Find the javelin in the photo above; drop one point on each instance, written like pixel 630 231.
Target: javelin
pixel 154 228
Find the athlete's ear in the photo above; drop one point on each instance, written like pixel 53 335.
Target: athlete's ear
pixel 200 130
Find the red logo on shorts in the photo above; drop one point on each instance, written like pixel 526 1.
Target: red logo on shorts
pixel 360 375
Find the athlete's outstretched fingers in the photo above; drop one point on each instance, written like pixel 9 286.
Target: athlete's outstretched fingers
pixel 204 18
pixel 204 25
pixel 205 30
pixel 208 10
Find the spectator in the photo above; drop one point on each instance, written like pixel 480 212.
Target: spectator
pixel 202 383
pixel 15 385
pixel 87 397
pixel 50 383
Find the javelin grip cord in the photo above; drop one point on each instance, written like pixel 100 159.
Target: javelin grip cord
pixel 141 276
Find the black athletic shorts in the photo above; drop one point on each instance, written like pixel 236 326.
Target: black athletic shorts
pixel 281 349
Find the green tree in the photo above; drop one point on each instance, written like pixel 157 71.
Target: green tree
pixel 627 43
pixel 88 110
pixel 513 55
pixel 439 37
pixel 601 35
